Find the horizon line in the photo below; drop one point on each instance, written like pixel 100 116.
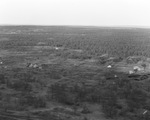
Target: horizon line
pixel 110 26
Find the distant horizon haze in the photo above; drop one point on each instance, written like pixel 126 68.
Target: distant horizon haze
pixel 102 13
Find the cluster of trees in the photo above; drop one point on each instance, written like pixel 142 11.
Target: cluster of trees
pixel 23 87
pixel 120 43
pixel 121 98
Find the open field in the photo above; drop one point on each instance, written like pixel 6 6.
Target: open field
pixel 74 73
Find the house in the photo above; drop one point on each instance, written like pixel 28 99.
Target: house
pixel 131 72
pixel 30 65
pixel 137 68
pixel 35 65
pixel 109 66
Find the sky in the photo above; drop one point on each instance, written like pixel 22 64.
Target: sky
pixel 75 12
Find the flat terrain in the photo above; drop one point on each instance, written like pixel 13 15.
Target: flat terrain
pixel 73 73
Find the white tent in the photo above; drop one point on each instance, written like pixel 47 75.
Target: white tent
pixel 109 66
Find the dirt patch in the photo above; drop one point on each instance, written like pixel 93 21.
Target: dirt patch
pixel 4 39
pixel 4 53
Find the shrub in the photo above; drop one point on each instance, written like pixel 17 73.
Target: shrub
pixel 136 99
pixel 109 104
pixel 21 86
pixel 2 79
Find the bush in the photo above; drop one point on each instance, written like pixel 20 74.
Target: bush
pixel 136 99
pixel 31 100
pixel 109 104
pixel 68 95
pixel 21 86
pixel 2 79
pixel 39 102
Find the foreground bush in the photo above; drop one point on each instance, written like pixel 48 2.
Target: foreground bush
pixel 118 97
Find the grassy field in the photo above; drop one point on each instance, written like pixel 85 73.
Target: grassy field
pixel 94 41
pixel 74 73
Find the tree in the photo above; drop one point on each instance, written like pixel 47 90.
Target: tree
pixel 109 104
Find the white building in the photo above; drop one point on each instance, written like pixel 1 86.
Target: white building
pixel 109 66
pixel 137 68
pixel 131 72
